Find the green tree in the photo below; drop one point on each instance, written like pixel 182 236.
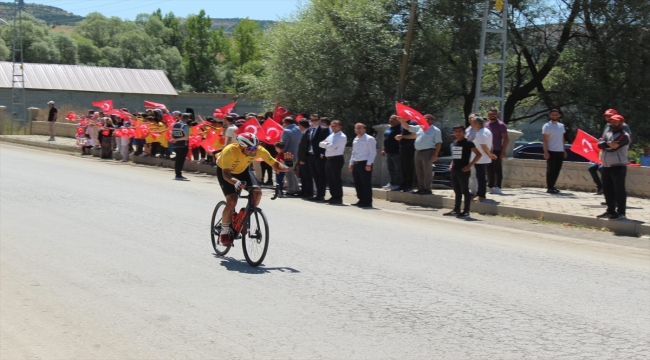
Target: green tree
pixel 5 52
pixel 88 53
pixel 247 35
pixel 198 61
pixel 340 58
pixel 67 48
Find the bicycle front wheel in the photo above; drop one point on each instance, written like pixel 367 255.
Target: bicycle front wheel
pixel 215 230
pixel 256 238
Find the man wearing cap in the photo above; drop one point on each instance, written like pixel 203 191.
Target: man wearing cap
pixel 614 144
pixel 51 119
pixel 180 136
pixel 595 168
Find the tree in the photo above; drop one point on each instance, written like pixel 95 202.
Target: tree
pixel 197 60
pixel 340 58
pixel 247 35
pixel 88 53
pixel 5 53
pixel 67 48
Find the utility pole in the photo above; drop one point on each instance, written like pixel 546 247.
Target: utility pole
pixel 18 110
pixel 501 7
pixel 407 50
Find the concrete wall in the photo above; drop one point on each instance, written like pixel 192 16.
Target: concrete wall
pixel 203 104
pixel 574 176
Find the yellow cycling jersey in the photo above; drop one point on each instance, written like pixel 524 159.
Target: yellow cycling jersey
pixel 233 158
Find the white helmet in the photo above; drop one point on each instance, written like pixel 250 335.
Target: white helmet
pixel 247 140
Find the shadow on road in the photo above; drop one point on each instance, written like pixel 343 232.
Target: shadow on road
pixel 242 266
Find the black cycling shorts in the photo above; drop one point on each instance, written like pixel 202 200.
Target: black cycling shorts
pixel 229 188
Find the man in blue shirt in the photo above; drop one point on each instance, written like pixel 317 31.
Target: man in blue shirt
pixel 645 158
pixel 291 136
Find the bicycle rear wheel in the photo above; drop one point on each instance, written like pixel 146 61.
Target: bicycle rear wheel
pixel 256 239
pixel 215 230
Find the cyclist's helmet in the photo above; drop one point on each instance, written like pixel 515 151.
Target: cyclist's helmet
pixel 247 140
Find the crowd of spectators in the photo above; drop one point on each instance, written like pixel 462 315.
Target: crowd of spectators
pixel 318 145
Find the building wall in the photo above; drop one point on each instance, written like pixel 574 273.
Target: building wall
pixel 203 104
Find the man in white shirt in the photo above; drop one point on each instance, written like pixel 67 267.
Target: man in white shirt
pixel 364 151
pixel 334 146
pixel 483 142
pixel 427 147
pixel 554 151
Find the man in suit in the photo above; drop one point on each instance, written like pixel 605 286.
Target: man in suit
pixel 291 137
pixel 306 181
pixel 316 156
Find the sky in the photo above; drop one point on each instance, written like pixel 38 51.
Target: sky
pixel 128 9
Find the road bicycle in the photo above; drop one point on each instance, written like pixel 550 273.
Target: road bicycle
pixel 252 228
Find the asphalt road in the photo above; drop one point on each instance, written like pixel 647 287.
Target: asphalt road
pixel 104 260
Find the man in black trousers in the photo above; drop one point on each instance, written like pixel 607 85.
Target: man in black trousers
pixel 316 156
pixel 180 136
pixel 306 182
pixel 364 151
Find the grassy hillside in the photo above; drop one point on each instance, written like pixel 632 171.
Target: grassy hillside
pixel 56 16
pixel 49 14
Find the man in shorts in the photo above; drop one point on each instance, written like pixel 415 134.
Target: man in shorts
pixel 234 174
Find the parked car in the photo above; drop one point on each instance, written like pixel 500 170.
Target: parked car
pixel 535 151
pixel 441 172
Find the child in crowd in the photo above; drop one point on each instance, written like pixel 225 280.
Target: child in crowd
pixel 279 177
pixel 124 143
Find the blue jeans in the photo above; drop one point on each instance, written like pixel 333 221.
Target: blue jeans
pixel 279 179
pixel 593 170
pixel 481 170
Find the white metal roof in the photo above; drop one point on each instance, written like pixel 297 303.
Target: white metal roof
pixel 89 78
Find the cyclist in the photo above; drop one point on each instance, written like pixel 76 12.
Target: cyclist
pixel 233 173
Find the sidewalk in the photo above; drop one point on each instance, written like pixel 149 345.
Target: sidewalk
pixel 532 203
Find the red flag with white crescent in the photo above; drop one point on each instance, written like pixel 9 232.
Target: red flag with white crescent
pixel 280 113
pixel 105 105
pixel 272 132
pixel 153 105
pixel 406 112
pixel 225 110
pixel 71 116
pixel 252 126
pixel 586 146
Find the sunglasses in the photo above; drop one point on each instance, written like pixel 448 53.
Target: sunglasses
pixel 251 148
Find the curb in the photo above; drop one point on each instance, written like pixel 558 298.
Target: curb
pixel 40 144
pixel 628 227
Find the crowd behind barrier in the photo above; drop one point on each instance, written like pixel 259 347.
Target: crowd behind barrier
pixel 410 145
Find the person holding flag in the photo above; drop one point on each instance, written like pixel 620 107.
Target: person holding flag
pixel 614 145
pixel 554 151
pixel 427 147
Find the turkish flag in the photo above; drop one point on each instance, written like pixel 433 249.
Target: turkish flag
pixel 142 131
pixel 252 126
pixel 153 105
pixel 224 110
pixel 169 120
pixel 280 113
pixel 105 105
pixel 208 143
pixel 71 116
pixel 406 112
pixel 586 146
pixel 120 113
pixel 299 117
pixel 272 132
